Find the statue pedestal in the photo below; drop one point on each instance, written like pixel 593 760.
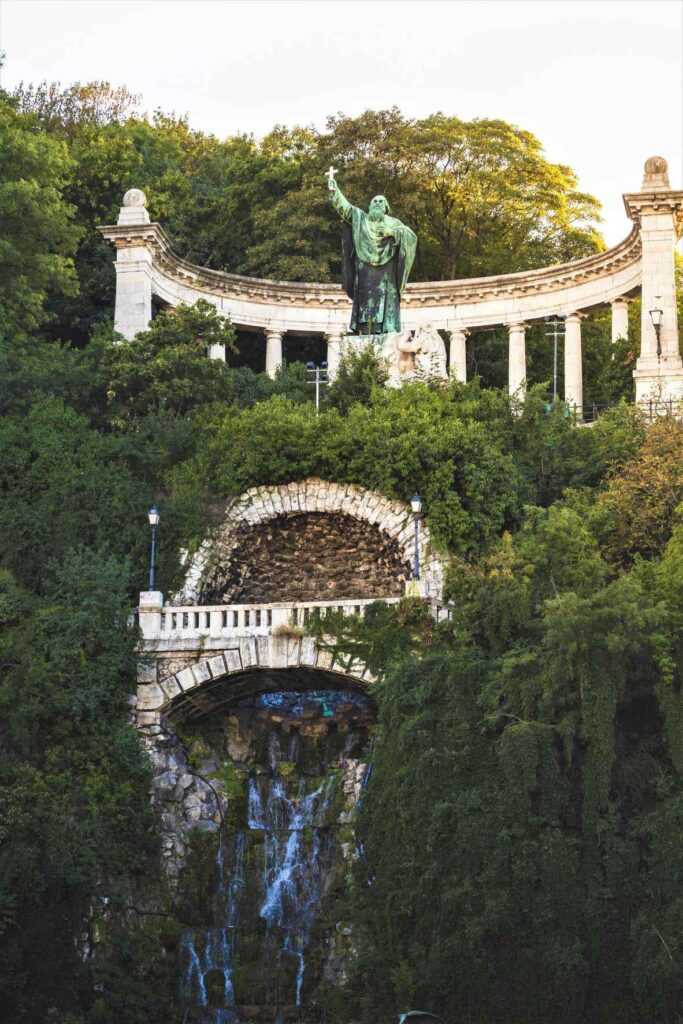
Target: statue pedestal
pixel 408 355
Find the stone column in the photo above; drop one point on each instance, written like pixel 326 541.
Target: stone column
pixel 659 211
pixel 573 370
pixel 517 360
pixel 458 354
pixel 334 347
pixel 619 319
pixel 273 351
pixel 133 305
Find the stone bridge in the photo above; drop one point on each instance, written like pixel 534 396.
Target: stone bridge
pixel 195 660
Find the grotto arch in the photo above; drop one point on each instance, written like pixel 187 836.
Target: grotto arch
pixel 311 539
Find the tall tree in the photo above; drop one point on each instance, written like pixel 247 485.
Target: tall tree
pixel 39 235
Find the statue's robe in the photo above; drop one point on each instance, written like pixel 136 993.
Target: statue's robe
pixel 377 259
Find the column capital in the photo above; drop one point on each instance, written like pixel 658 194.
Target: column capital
pixel 465 331
pixel 274 332
pixel 576 316
pixel 517 325
pixel 621 300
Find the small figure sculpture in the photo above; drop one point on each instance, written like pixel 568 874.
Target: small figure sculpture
pixel 420 356
pixel 377 256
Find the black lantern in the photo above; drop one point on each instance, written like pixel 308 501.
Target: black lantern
pixel 656 315
pixel 153 516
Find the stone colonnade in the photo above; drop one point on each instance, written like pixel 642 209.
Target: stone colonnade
pixel 146 266
pixel 517 373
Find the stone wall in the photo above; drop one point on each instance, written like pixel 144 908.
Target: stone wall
pixel 306 556
pixel 256 805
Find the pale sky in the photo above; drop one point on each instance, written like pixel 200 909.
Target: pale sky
pixel 600 82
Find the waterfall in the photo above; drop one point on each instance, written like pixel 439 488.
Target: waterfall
pixel 275 862
pixel 213 949
pixel 292 875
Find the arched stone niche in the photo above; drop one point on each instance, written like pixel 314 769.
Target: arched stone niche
pixel 310 540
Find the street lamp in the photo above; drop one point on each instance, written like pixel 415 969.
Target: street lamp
pixel 317 375
pixel 556 325
pixel 656 315
pixel 416 505
pixel 153 516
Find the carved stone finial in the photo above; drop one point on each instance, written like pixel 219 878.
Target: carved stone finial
pixel 656 174
pixel 135 197
pixel 134 209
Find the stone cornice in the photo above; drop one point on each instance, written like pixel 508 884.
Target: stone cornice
pixel 330 297
pixel 653 202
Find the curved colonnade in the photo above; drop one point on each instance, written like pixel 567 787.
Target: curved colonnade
pixel 146 266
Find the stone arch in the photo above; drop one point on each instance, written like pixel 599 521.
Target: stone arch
pixel 191 687
pixel 391 520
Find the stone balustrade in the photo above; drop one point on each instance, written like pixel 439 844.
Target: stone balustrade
pixel 160 622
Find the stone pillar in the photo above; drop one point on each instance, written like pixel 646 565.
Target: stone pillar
pixel 133 305
pixel 659 211
pixel 216 624
pixel 517 361
pixel 458 354
pixel 619 319
pixel 334 347
pixel 273 351
pixel 217 352
pixel 573 369
pixel 149 611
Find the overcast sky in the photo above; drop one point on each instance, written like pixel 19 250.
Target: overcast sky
pixel 600 83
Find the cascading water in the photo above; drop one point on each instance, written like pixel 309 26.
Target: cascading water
pixel 209 953
pixel 292 877
pixel 275 864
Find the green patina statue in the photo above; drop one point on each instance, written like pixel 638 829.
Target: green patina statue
pixel 378 253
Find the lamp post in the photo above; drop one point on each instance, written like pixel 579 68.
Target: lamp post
pixel 416 505
pixel 153 516
pixel 556 323
pixel 656 315
pixel 317 375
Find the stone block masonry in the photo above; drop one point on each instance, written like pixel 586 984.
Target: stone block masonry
pixel 307 556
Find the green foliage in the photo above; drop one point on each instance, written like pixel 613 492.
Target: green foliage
pixel 519 840
pixel 635 514
pixel 166 367
pixel 407 440
pixel 479 194
pixel 522 814
pixel 358 374
pixel 78 830
pixel 38 233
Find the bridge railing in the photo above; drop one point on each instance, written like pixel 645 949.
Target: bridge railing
pixel 191 622
pixel 160 621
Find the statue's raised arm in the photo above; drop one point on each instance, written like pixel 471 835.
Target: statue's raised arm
pixel 339 200
pixel 378 253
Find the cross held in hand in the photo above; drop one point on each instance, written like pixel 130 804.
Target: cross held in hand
pixel 330 175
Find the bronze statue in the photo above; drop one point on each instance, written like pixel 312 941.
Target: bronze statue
pixel 378 252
